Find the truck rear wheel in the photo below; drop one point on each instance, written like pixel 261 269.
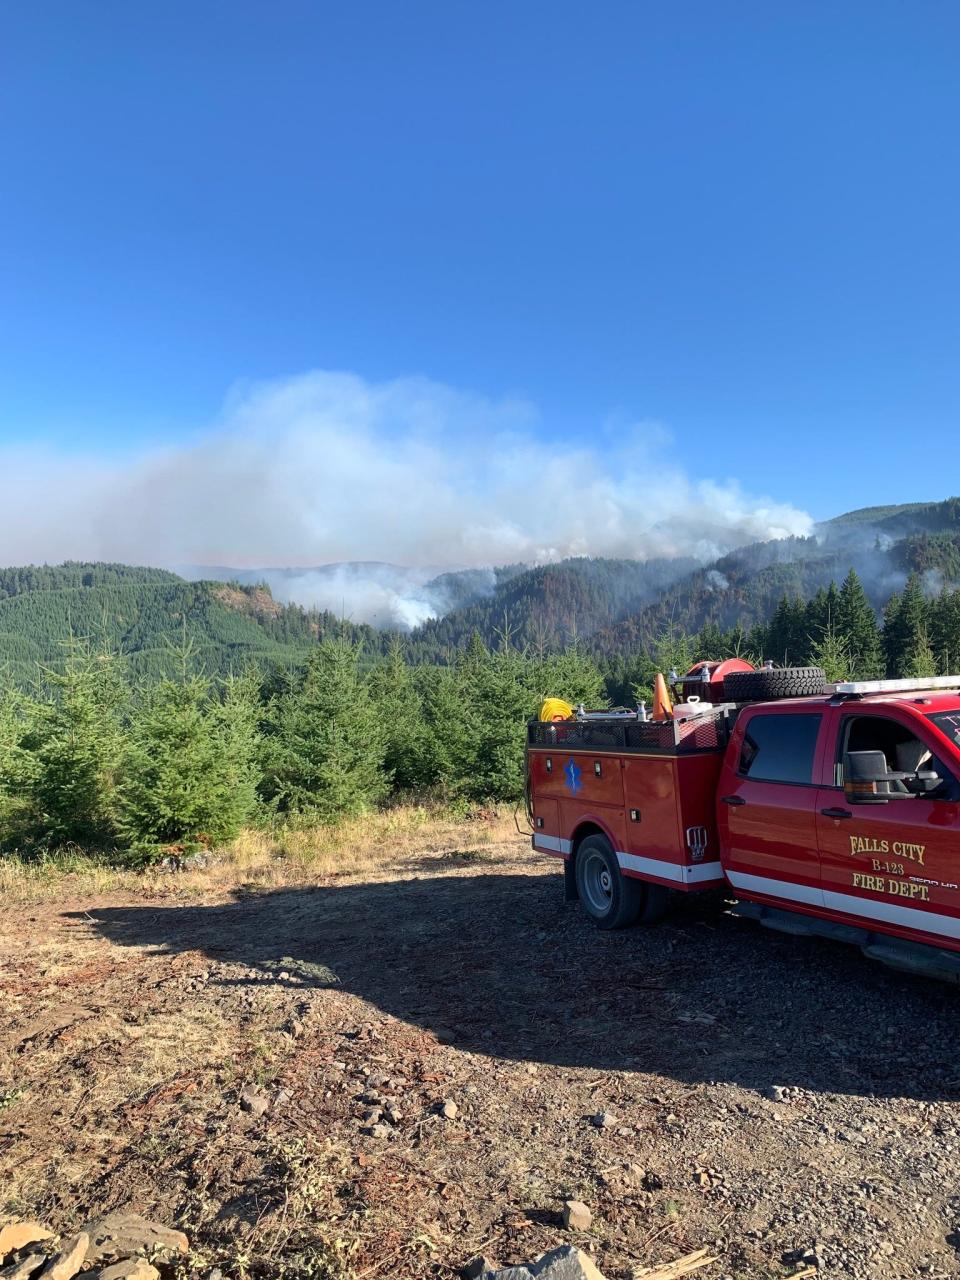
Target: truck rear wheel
pixel 611 899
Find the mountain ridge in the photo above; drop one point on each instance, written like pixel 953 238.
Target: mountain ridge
pixel 611 606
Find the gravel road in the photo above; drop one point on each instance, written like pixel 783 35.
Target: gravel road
pixel 408 1069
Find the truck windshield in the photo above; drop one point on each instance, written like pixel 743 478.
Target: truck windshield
pixel 948 722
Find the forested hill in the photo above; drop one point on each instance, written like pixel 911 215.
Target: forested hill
pixel 883 544
pixel 616 607
pixel 151 617
pixel 543 608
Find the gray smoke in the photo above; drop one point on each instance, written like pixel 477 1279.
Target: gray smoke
pixel 327 468
pixel 383 595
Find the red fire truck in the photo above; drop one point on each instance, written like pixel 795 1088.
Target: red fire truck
pixel 822 809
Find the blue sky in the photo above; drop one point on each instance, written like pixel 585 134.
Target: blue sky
pixel 739 222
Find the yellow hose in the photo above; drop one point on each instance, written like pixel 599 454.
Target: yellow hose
pixel 556 709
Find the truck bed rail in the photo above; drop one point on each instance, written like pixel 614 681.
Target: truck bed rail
pixel 687 736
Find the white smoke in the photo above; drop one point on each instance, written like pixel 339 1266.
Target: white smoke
pixel 384 595
pixel 327 467
pixel 716 580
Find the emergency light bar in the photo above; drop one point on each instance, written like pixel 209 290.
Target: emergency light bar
pixel 854 687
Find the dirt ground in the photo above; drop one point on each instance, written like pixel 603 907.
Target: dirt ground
pixel 214 1052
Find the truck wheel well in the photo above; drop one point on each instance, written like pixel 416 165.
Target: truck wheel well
pixel 570 891
pixel 581 833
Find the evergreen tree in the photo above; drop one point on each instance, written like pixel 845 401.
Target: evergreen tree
pixel 788 633
pixel 325 750
pixel 617 687
pixel 449 744
pixel 15 764
pixel 920 661
pixel 499 701
pixel 817 619
pixel 74 740
pixel 673 650
pixel 857 622
pixel 188 770
pixel 906 626
pixel 738 643
pixel 945 632
pixel 400 710
pixel 890 636
pixel 711 642
pixel 830 651
pixel 571 675
pixel 756 644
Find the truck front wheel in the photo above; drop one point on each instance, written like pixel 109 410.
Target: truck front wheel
pixel 610 899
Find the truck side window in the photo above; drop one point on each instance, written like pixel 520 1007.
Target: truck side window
pixel 904 753
pixel 779 748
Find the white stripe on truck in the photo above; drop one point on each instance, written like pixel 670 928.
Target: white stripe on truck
pixel 671 870
pixel 700 873
pixel 553 844
pixel 848 904
pixel 805 893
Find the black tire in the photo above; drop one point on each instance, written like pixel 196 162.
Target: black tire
pixel 611 900
pixel 771 683
pixel 657 900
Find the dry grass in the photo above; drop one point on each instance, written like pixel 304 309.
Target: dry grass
pixel 267 857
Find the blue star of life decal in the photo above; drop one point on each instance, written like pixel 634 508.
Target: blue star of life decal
pixel 572 770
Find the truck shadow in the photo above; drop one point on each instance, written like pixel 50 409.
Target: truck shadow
pixel 499 965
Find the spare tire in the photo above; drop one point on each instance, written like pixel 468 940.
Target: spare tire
pixel 773 682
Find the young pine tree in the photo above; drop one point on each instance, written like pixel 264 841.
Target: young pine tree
pixel 673 650
pixel 188 771
pixel 857 621
pixel 15 763
pixel 830 650
pixel 818 617
pixel 945 632
pixel 400 710
pixel 498 689
pixel 325 750
pixel 906 627
pixel 570 675
pixel 449 745
pixel 73 737
pixel 788 633
pixel 920 661
pixel 711 642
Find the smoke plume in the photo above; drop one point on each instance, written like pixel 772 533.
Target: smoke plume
pixel 327 467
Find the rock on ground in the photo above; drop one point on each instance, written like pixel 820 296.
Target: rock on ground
pixel 121 1235
pixel 576 1215
pixel 477 1268
pixel 16 1235
pixel 65 1264
pixel 254 1101
pixel 130 1269
pixel 25 1268
pixel 565 1263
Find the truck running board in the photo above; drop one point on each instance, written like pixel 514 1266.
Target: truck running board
pixel 915 957
pixel 801 926
pixel 908 957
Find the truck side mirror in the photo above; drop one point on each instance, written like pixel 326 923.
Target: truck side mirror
pixel 927 781
pixel 866 778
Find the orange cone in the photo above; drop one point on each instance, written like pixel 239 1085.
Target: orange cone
pixel 662 706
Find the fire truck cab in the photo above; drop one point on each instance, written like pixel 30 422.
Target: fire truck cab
pixel 834 813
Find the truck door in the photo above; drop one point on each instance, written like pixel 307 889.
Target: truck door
pixel 767 803
pixel 895 864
